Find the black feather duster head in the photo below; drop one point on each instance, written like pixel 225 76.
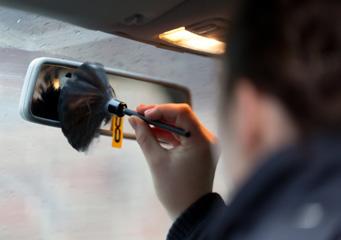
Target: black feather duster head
pixel 82 106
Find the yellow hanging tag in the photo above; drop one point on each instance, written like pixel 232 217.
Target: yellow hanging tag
pixel 117 131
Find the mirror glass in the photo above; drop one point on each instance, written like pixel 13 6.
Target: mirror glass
pixel 133 91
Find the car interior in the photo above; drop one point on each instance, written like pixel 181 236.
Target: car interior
pixel 48 190
pixel 145 21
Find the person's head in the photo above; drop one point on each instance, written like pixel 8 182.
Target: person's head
pixel 284 75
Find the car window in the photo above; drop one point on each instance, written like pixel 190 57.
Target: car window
pixel 47 189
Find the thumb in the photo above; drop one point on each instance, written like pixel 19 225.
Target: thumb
pixel 150 146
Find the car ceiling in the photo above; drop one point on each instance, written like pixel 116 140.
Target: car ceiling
pixel 136 19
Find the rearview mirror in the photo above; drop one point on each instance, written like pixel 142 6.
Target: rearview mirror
pixel 40 93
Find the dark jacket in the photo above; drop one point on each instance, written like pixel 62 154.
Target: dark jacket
pixel 296 194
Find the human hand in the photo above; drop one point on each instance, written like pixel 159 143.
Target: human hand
pixel 184 172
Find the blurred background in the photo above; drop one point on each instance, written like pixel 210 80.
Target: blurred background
pixel 50 191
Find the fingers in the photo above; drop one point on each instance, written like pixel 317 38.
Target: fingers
pixel 179 115
pixel 165 136
pixel 142 108
pixel 147 141
pixel 167 112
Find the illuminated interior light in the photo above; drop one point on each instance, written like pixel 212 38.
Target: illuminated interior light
pixel 183 38
pixel 56 84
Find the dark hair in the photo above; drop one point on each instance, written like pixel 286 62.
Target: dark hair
pixel 291 49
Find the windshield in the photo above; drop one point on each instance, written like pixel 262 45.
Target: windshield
pixel 50 191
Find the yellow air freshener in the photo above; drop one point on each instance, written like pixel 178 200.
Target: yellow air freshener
pixel 117 131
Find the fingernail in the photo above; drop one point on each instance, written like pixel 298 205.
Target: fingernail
pixel 132 122
pixel 149 111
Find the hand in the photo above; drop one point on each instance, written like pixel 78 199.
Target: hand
pixel 185 171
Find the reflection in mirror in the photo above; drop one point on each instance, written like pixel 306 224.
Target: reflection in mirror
pixel 47 91
pixel 133 91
